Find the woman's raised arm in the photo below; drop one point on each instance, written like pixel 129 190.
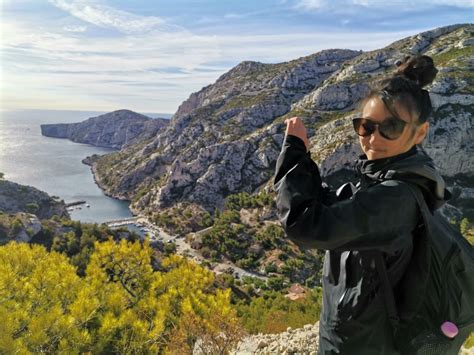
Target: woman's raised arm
pixel 379 217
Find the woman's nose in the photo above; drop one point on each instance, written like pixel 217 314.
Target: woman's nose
pixel 375 135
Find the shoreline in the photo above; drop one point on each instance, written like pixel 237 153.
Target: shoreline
pixel 97 181
pixel 102 187
pixel 183 247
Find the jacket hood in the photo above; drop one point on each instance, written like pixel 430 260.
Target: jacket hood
pixel 414 166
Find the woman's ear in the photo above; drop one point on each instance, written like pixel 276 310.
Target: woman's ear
pixel 421 133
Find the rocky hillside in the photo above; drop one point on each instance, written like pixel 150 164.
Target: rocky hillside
pixel 113 130
pixel 16 198
pixel 226 138
pixel 23 209
pixel 294 341
pixel 218 141
pixel 19 227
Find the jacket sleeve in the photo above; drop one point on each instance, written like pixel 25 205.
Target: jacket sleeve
pixel 380 217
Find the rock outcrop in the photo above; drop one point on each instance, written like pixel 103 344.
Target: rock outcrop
pixel 294 341
pixel 112 130
pixel 16 198
pixel 20 227
pixel 226 138
pixel 299 341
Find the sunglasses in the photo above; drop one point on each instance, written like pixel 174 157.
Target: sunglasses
pixel 390 128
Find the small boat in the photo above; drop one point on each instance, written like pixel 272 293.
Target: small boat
pixel 88 205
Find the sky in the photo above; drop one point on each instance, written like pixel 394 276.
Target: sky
pixel 149 56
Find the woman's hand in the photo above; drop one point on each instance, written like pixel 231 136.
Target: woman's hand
pixel 295 127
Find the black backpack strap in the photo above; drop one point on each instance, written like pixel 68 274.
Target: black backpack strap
pixel 387 290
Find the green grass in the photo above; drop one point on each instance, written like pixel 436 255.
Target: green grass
pixel 454 54
pixel 244 101
pixel 329 116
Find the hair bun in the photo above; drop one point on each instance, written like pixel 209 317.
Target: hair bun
pixel 419 69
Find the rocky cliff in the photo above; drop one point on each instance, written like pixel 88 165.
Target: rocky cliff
pixel 113 130
pixel 16 198
pixel 20 227
pixel 226 137
pixel 23 208
pixel 220 141
pixel 294 341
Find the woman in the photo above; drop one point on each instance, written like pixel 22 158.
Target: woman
pixel 378 214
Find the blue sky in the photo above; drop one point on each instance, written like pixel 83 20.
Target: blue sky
pixel 149 56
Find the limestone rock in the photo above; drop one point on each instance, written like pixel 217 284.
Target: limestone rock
pixel 112 130
pixel 338 96
pixel 292 341
pixel 31 226
pixel 16 198
pixel 450 140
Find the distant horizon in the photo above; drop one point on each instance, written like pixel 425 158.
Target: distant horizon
pixel 147 56
pixel 86 111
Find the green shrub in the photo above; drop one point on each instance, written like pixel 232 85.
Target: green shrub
pixel 245 200
pixel 32 207
pixel 170 248
pixel 276 283
pixel 274 313
pixel 271 268
pixel 16 226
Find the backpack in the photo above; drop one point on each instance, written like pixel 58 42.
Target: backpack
pixel 437 287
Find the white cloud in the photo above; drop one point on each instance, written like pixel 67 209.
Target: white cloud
pixel 233 15
pixel 361 2
pixel 75 28
pixel 412 4
pixel 103 72
pixel 153 71
pixel 311 4
pixel 316 5
pixel 457 3
pixel 109 17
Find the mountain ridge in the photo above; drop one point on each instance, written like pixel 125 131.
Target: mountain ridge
pixel 226 137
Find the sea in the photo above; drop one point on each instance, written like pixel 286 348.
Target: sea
pixel 55 165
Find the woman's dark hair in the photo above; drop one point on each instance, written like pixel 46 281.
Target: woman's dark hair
pixel 405 86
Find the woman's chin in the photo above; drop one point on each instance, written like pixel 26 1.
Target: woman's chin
pixel 375 154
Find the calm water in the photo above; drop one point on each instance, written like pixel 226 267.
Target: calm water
pixel 54 165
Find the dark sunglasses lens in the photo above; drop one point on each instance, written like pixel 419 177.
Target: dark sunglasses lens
pixel 391 128
pixel 363 127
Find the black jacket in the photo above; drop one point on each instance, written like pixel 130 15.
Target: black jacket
pixel 378 214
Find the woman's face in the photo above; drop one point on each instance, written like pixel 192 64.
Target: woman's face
pixel 375 146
